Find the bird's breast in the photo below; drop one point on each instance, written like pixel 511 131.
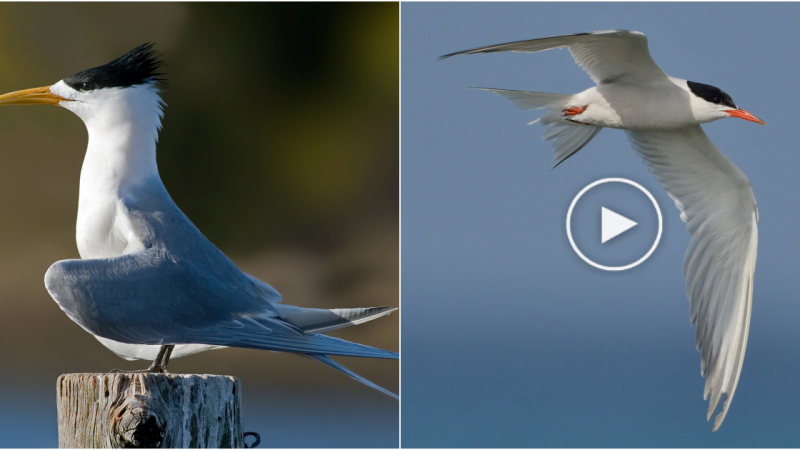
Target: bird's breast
pixel 104 229
pixel 635 107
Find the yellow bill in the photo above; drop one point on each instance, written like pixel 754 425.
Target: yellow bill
pixel 35 96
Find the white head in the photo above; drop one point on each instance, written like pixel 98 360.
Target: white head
pixel 120 105
pixel 711 103
pixel 122 93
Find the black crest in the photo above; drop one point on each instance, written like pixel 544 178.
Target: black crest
pixel 135 67
pixel 711 94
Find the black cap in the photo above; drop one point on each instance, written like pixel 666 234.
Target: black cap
pixel 138 66
pixel 711 94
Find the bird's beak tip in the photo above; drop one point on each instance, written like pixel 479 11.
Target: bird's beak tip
pixel 742 114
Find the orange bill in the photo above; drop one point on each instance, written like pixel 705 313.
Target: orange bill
pixel 740 113
pixel 35 96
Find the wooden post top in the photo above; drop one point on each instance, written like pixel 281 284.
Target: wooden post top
pixel 131 409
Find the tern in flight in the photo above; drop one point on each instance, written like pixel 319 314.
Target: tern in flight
pixel 661 116
pixel 149 284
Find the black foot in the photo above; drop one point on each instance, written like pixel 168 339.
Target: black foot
pixel 153 369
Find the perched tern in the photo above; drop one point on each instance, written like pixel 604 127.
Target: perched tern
pixel 662 117
pixel 149 284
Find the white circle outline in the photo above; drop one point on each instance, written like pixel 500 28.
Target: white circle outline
pixel 614 180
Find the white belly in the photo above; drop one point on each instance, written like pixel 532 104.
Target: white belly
pixel 632 107
pixel 135 351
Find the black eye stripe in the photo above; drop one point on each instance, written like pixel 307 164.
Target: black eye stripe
pixel 711 94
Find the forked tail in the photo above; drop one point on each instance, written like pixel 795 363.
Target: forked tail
pixel 568 137
pixel 325 359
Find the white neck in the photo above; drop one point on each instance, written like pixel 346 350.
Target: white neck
pixel 123 125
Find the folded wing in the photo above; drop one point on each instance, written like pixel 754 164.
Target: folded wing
pixel 151 298
pixel 717 203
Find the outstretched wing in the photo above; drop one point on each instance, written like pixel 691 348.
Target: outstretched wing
pixel 607 56
pixel 719 208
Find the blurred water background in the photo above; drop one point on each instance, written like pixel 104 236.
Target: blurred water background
pixel 280 143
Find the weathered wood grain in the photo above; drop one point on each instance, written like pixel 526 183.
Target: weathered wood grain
pixel 103 410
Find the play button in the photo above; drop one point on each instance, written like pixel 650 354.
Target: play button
pixel 613 224
pixel 630 224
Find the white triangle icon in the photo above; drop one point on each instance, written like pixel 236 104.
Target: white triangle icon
pixel 613 224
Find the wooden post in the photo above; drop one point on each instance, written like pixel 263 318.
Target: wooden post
pixel 103 410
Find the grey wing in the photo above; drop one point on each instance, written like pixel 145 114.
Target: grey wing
pixel 150 297
pixel 717 203
pixel 607 56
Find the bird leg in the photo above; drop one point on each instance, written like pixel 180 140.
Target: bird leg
pixel 160 363
pixel 575 110
pixel 167 356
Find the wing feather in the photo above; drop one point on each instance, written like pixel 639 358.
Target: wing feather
pixel 607 56
pixel 717 203
pixel 149 298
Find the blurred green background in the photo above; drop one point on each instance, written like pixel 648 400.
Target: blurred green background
pixel 280 142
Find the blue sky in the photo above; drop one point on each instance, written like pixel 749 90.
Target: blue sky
pixel 509 339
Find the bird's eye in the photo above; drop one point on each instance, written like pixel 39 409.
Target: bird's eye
pixel 84 86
